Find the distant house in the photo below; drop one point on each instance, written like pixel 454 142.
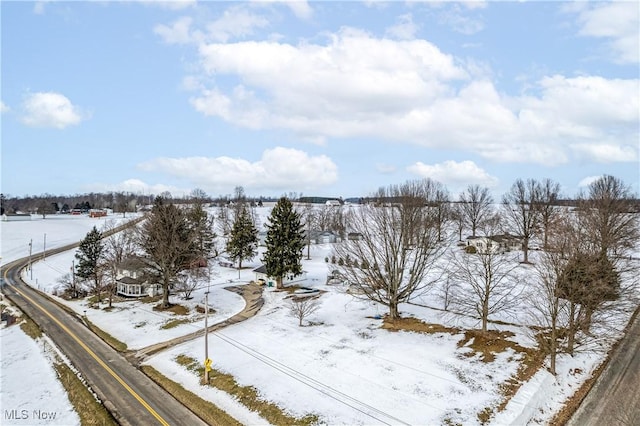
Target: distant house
pixel 134 280
pixel 15 217
pixel 261 274
pixel 97 213
pixel 323 237
pixel 496 243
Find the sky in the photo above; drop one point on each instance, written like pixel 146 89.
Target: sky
pixel 318 98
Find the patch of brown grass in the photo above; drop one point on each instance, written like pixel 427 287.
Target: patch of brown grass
pixel 414 324
pixel 174 323
pixel 150 299
pixel 246 395
pixel 175 309
pixel 207 411
pixel 30 328
pixel 488 343
pixel 90 411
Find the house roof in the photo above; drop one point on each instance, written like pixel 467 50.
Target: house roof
pixel 261 269
pixel 129 280
pixel 132 263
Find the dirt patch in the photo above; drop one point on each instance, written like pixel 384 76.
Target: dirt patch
pixel 175 309
pixel 488 343
pixel 414 324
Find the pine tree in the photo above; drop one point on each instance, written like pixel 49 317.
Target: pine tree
pixel 202 226
pixel 285 242
pixel 89 257
pixel 243 240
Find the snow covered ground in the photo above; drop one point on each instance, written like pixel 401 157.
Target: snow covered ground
pixel 30 393
pixel 341 366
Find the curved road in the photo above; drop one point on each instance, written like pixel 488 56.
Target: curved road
pixel 615 397
pixel 126 392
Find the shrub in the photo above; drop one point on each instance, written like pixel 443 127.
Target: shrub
pixel 471 249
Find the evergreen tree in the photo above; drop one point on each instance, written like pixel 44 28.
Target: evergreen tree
pixel 89 257
pixel 243 240
pixel 285 242
pixel 202 226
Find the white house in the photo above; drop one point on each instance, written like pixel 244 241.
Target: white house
pixel 495 243
pixel 133 280
pixel 261 274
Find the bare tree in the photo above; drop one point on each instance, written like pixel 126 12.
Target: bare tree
pixel 445 292
pixel 549 194
pixel 457 215
pixel 169 243
pixel 308 215
pixel 521 211
pixel 302 307
pixel 187 281
pixel 605 214
pixel 551 313
pixel 71 287
pixel 397 242
pixel 483 281
pixel 330 217
pixel 117 248
pixel 475 204
pixel 442 207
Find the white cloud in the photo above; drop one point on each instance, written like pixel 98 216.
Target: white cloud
pixel 404 29
pixel 50 109
pixel 455 174
pixel 618 22
pixel 300 8
pixel 4 108
pixel 235 22
pixel 357 85
pixel 588 181
pixel 607 153
pixel 170 4
pixel 278 169
pixel 179 32
pixel 460 20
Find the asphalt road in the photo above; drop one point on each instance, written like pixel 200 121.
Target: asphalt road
pixel 126 392
pixel 614 400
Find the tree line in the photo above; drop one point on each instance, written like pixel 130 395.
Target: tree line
pixel 584 260
pixel 175 245
pixel 401 234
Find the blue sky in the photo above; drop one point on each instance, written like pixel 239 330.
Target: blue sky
pixel 318 98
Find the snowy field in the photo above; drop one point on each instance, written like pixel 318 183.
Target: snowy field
pixel 341 365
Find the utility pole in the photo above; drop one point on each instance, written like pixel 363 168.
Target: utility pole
pixel 207 361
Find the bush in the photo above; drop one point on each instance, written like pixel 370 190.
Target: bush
pixel 326 259
pixel 470 249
